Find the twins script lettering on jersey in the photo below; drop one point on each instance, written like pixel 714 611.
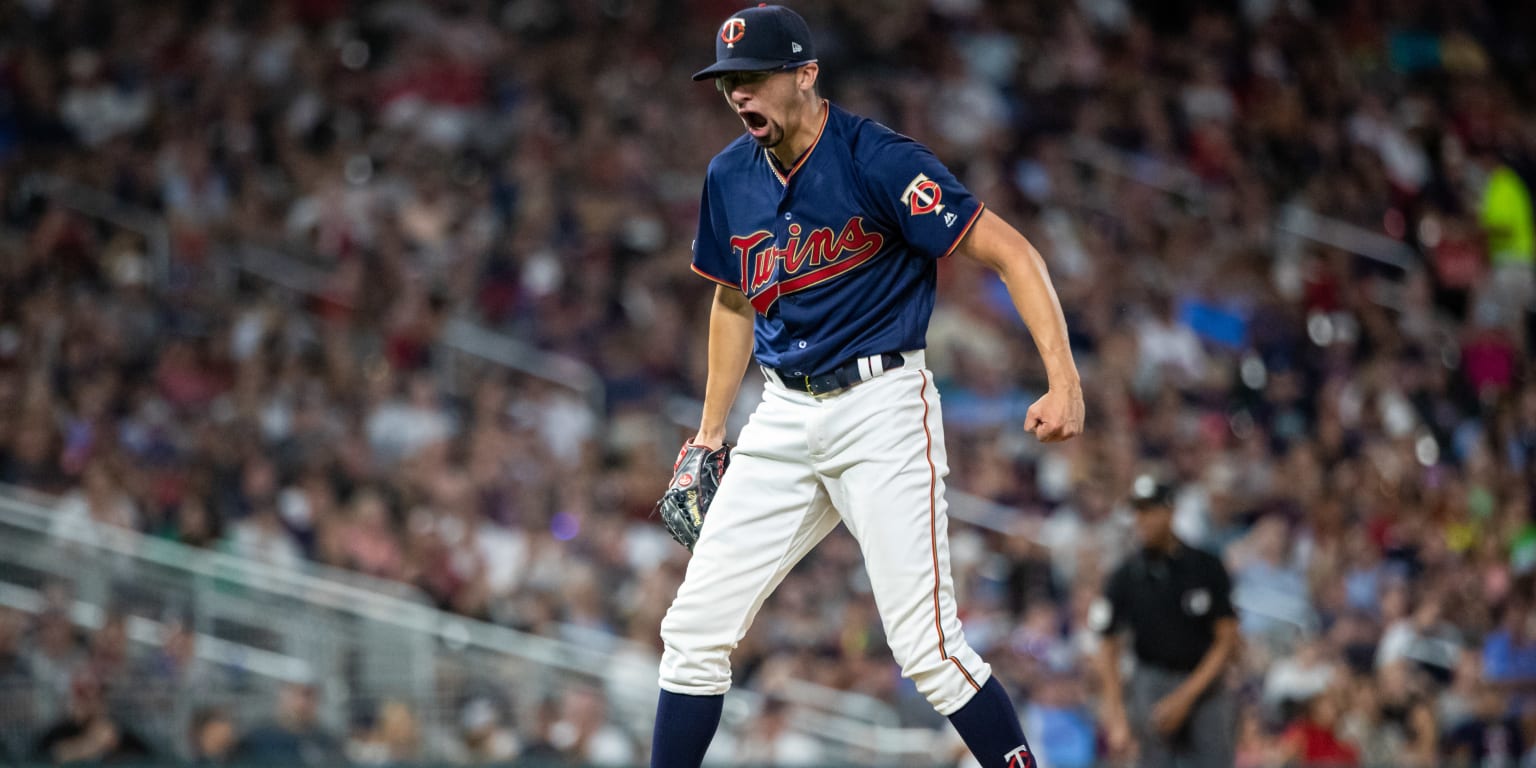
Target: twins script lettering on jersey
pixel 808 258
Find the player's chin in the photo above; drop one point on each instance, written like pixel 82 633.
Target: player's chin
pixel 770 136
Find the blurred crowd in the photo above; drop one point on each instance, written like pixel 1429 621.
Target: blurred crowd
pixel 1354 434
pixel 70 696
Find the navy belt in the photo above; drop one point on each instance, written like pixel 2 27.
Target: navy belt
pixel 843 376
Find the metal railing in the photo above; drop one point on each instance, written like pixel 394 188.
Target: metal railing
pixel 256 623
pixel 1299 221
pixel 367 641
pixel 97 204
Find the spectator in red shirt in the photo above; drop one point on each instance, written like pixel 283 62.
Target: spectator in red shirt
pixel 1313 740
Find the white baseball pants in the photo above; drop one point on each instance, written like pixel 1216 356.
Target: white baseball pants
pixel 872 456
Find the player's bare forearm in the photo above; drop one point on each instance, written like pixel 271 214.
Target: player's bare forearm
pixel 1117 731
pixel 1007 252
pixel 1214 663
pixel 730 350
pixel 1003 249
pixel 1109 675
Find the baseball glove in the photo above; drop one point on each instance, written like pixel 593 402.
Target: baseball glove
pixel 695 477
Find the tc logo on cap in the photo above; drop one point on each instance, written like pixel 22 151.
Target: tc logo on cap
pixel 732 30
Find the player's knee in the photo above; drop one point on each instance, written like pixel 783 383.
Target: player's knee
pixel 696 672
pixel 692 662
pixel 946 683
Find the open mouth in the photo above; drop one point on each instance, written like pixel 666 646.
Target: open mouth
pixel 755 122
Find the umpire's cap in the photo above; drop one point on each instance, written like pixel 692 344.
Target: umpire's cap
pixel 761 38
pixel 1147 493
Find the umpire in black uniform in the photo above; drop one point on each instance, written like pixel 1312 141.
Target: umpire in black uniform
pixel 1176 602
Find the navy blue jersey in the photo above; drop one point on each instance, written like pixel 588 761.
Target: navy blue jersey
pixel 837 254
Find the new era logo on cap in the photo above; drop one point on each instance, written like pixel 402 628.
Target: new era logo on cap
pixel 794 47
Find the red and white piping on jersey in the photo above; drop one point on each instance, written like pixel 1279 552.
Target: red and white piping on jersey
pixel 966 229
pixel 704 274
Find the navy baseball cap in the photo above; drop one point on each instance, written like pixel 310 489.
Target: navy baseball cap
pixel 761 38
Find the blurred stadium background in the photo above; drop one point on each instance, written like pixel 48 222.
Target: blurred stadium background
pixel 345 344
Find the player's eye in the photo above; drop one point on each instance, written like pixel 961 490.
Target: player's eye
pixel 732 80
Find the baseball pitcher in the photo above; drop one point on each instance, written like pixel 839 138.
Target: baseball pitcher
pixel 821 230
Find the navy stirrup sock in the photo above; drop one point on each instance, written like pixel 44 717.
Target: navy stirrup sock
pixel 684 727
pixel 990 727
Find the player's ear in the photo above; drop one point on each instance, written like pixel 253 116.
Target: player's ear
pixel 805 78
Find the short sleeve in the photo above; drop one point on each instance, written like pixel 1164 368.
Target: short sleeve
pixel 1221 591
pixel 711 255
pixel 914 192
pixel 1107 615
